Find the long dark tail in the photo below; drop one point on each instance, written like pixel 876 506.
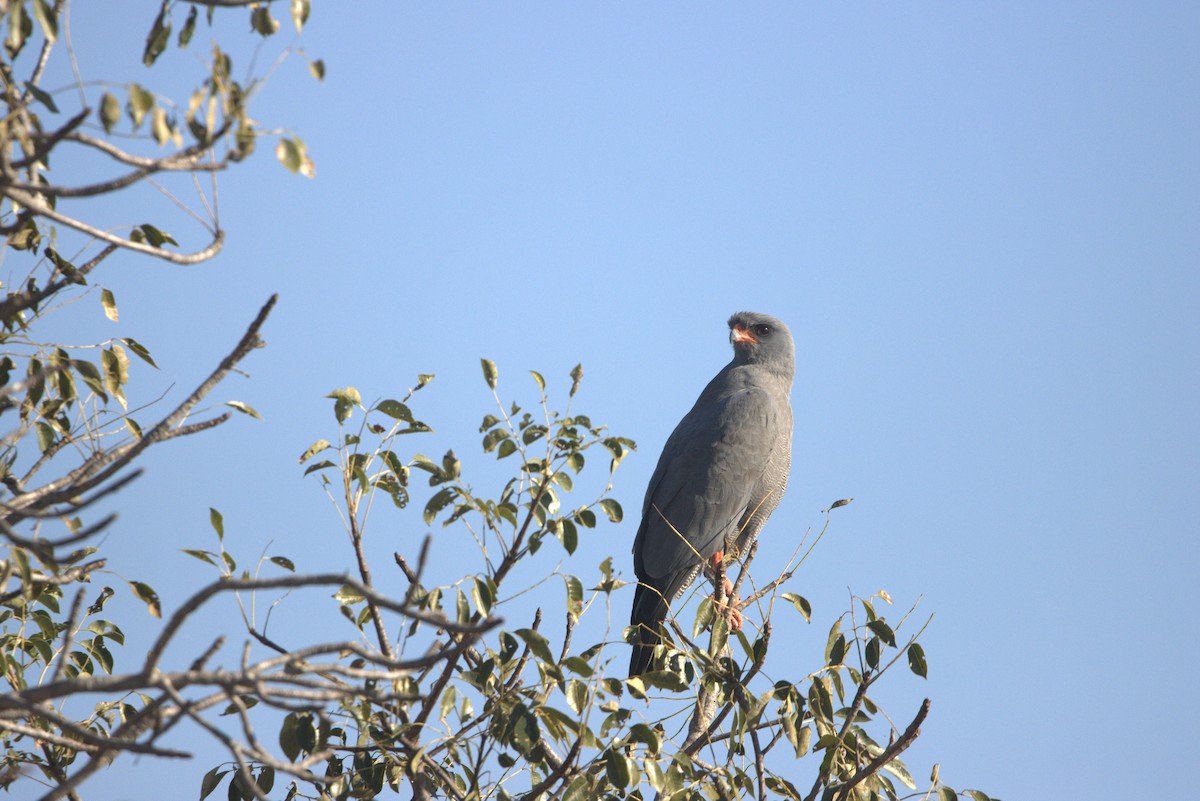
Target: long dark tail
pixel 649 611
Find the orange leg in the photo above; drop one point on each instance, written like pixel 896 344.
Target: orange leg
pixel 731 601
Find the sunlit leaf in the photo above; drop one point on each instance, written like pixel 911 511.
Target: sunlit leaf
pixel 300 11
pixel 348 595
pixel 244 408
pixel 395 409
pixel 293 155
pixel 314 449
pixel 148 596
pixel 140 103
pixel 802 605
pixel 109 303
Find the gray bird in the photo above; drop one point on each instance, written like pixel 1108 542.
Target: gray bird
pixel 720 475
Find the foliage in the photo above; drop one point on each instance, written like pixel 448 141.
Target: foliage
pixel 497 673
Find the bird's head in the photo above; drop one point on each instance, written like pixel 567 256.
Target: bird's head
pixel 762 339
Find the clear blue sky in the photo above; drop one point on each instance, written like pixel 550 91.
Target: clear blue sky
pixel 980 220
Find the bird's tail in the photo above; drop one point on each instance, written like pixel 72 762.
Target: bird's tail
pixel 649 611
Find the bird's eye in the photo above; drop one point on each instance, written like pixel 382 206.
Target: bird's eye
pixel 762 330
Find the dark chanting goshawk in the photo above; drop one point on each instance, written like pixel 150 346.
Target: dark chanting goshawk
pixel 720 475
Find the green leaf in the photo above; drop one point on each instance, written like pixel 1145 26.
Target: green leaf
pixel 285 563
pixel 897 769
pixel 484 594
pixel 574 596
pixel 654 774
pixel 537 644
pixel 109 303
pixel 344 401
pixel 262 22
pixel 437 503
pixel 820 700
pixel 321 465
pixel 578 665
pixel 189 28
pixel 617 767
pixel 883 630
pixel 579 789
pixel 314 449
pixel 873 649
pixel 642 733
pixel 577 696
pixel 946 793
pixel 157 39
pixel 148 596
pixel 41 96
pixel 140 103
pixel 293 155
pixel 139 350
pixel 395 409
pixel 266 779
pixel 837 652
pixel 203 556
pixel 802 605
pixel 664 680
pixel 348 595
pixel 537 377
pixel 211 781
pixel 217 522
pixel 576 378
pixel 916 660
pixel 704 616
pixel 490 374
pixel 316 68
pixel 244 409
pixel 45 436
pixel 567 534
pixel 155 236
pixel 612 509
pixel 160 126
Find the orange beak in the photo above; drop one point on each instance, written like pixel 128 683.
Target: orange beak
pixel 741 333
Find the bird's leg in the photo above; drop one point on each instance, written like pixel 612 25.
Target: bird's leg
pixel 723 597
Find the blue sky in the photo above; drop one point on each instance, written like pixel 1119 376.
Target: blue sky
pixel 980 220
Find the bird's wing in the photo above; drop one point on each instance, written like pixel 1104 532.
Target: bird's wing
pixel 705 480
